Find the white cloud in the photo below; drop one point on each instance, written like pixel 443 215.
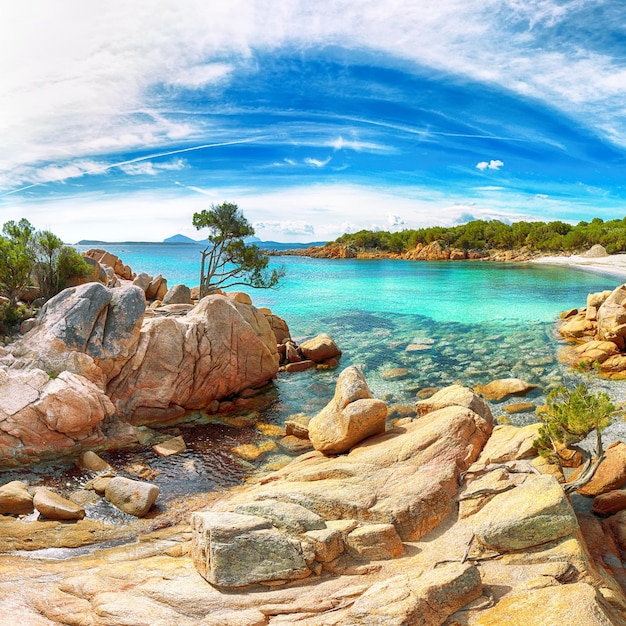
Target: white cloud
pixel 151 168
pixel 201 75
pixel 317 162
pixel 394 220
pixel 494 164
pixel 287 228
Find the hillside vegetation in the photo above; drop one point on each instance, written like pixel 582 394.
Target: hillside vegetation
pixel 484 235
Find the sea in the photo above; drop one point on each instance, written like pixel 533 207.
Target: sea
pixel 408 325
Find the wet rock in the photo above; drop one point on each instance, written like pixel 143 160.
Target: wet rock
pixel 351 416
pixel 170 447
pixel 500 389
pixel 54 507
pixel 320 348
pixel 534 513
pixel 301 431
pixel 15 499
pixel 178 294
pixel 299 367
pixel 396 373
pixel 426 600
pixel 233 550
pixel 375 542
pixel 611 473
pixel 520 407
pixel 292 517
pixel 612 318
pixel 610 502
pixel 131 496
pixel 295 445
pixel 99 483
pixel 251 452
pixel 91 461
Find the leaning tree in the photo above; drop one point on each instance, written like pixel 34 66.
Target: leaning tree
pixel 228 260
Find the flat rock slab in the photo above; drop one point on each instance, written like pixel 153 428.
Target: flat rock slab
pixel 170 447
pixel 54 507
pixel 504 387
pixel 292 517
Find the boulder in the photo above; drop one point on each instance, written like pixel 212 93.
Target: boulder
pixel 612 318
pixel 131 496
pixel 455 395
pixel 279 327
pixel 375 542
pixel 508 443
pixel 170 447
pixel 89 330
pixel 327 543
pixel 608 503
pixel 142 280
pixel 178 294
pixel 184 363
pixel 504 387
pixel 395 373
pixel 233 550
pixel 534 513
pixel 91 461
pixel 292 517
pixel 320 348
pixel 597 251
pixel 15 499
pixel 53 506
pixel 424 600
pixel 351 416
pixel 611 473
pixel 154 287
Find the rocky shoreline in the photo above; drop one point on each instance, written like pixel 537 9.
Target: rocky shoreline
pixel 439 516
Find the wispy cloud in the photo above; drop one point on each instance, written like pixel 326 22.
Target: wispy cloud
pixel 494 164
pixel 317 162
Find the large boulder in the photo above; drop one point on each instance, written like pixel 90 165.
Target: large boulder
pixel 320 348
pixel 351 416
pixel 178 294
pixel 182 363
pixel 89 330
pixel 234 550
pixel 611 317
pixel 611 473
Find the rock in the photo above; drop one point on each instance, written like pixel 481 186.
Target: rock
pixel 89 330
pixel 375 542
pixel 576 603
pixel 99 483
pixel 91 461
pixel 426 600
pixel 510 442
pixel 279 327
pixel 155 286
pixel 302 366
pixel 577 328
pixel 27 325
pixel 520 407
pixel 291 353
pixel 131 496
pixel 169 447
pixel 534 513
pixel 142 281
pixel 596 251
pixel 455 395
pixel 396 373
pixel 406 477
pixel 295 445
pixel 610 502
pixel 233 550
pixel 55 507
pixel 296 429
pixel 500 389
pixel 178 294
pixel 15 499
pixel 239 617
pixel 184 363
pixel 320 348
pixel 240 296
pixel 292 517
pixel 351 416
pixel 327 543
pixel 435 251
pixel 611 473
pixel 591 351
pixel 612 318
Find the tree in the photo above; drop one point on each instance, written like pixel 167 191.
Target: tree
pixel 16 258
pixel 570 416
pixel 228 260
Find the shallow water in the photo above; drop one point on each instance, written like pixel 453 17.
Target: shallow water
pixel 467 322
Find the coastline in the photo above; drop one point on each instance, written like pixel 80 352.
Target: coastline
pixel 614 264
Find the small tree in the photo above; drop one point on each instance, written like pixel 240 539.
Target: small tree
pixel 16 258
pixel 228 260
pixel 570 416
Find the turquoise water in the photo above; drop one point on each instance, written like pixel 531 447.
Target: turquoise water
pixel 473 321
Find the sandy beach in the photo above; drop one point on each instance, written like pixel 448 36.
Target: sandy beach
pixel 614 264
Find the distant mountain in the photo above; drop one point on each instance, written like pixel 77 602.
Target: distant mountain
pixel 181 239
pixel 264 245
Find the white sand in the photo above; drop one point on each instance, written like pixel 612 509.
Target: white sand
pixel 614 264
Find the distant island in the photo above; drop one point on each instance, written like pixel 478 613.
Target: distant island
pixel 183 239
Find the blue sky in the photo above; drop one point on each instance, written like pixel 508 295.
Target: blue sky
pixel 120 119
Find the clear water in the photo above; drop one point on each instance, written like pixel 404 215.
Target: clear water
pixel 473 322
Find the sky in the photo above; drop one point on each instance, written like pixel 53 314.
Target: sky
pixel 119 120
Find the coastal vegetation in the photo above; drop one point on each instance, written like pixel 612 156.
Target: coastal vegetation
pixel 33 258
pixel 228 260
pixel 487 235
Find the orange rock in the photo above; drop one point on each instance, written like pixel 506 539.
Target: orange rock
pixel 609 502
pixel 610 475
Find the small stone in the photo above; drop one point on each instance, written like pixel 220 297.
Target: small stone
pixel 170 447
pixel 520 407
pixel 296 429
pixel 131 496
pixel 15 499
pixel 426 392
pixel 53 506
pixel 250 452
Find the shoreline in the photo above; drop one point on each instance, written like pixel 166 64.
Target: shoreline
pixel 614 264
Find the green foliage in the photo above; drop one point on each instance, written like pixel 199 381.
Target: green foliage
pixel 228 260
pixel 485 235
pixel 571 415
